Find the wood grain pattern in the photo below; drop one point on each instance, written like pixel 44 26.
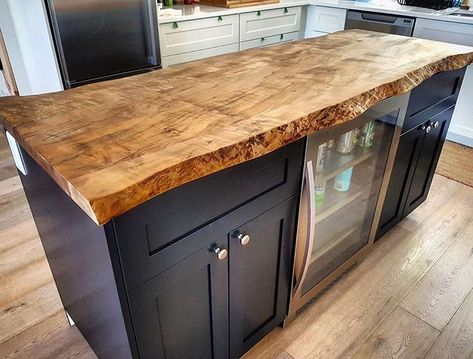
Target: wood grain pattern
pixel 113 145
pixel 439 294
pixel 401 335
pixel 456 341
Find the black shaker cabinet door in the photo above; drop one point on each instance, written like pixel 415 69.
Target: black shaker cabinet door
pixel 410 145
pixel 260 272
pixel 428 158
pixel 183 312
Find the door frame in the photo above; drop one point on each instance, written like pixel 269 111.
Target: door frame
pixel 7 68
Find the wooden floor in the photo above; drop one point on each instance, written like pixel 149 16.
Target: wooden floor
pixel 411 298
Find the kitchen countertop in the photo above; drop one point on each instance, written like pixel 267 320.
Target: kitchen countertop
pixel 113 145
pixel 383 6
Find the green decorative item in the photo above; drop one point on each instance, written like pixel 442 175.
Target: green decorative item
pixel 175 25
pixel 169 3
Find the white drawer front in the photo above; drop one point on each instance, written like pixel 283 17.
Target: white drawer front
pixel 268 41
pixel 258 24
pixel 194 35
pixel 445 31
pixel 197 55
pixel 325 19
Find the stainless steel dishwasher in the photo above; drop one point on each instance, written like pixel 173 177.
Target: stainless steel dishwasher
pixel 390 24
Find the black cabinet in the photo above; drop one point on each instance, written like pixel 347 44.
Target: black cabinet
pixel 435 131
pixel 414 167
pixel 234 289
pixel 182 313
pixel 260 274
pixel 425 127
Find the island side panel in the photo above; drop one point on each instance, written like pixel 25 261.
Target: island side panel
pixel 84 261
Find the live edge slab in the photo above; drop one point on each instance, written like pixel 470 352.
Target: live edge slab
pixel 166 202
pixel 114 145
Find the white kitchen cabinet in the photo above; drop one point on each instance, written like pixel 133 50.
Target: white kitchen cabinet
pixel 195 39
pixel 265 23
pixel 198 55
pixel 323 20
pixel 461 127
pixel 268 41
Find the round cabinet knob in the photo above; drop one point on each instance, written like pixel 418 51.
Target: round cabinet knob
pixel 428 129
pixel 436 124
pixel 244 239
pixel 220 252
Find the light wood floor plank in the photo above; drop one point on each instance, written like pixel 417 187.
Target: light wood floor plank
pixel 29 310
pixel 456 341
pixel 401 335
pixel 51 338
pixel 439 294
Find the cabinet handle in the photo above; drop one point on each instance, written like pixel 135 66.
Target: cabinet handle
pixel 262 39
pixel 220 18
pixel 175 25
pixel 428 129
pixel 244 239
pixel 258 13
pixel 436 124
pixel 286 10
pixel 282 36
pixel 220 252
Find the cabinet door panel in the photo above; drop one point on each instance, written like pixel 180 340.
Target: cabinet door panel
pixel 404 166
pixel 428 158
pixel 260 275
pixel 183 312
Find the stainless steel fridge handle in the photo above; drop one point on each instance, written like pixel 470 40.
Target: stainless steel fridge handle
pixel 153 40
pixel 310 185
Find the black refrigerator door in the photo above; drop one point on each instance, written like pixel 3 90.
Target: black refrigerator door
pixel 104 38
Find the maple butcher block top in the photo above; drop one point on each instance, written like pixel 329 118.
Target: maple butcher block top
pixel 114 145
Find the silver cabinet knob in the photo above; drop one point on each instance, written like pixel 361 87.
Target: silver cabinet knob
pixel 244 239
pixel 436 124
pixel 220 252
pixel 428 129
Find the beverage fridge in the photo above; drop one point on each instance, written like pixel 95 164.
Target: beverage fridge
pixel 346 174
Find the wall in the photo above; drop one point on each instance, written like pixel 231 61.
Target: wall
pixel 28 40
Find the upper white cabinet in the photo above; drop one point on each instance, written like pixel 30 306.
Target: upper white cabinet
pixel 323 20
pixel 265 23
pixel 195 39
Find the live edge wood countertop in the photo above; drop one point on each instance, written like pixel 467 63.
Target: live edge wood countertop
pixel 114 145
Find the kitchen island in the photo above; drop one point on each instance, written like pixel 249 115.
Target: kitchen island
pixel 137 184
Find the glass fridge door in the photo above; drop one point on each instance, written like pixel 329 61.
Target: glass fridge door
pixel 344 171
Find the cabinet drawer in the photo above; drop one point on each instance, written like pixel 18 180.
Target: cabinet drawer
pixel 151 236
pixel 258 24
pixel 194 35
pixel 432 97
pixel 325 19
pixel 197 55
pixel 268 41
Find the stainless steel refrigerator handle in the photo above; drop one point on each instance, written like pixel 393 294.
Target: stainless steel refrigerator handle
pixel 310 183
pixel 153 34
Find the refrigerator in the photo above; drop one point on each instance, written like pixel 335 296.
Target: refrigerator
pixel 103 39
pixel 346 174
